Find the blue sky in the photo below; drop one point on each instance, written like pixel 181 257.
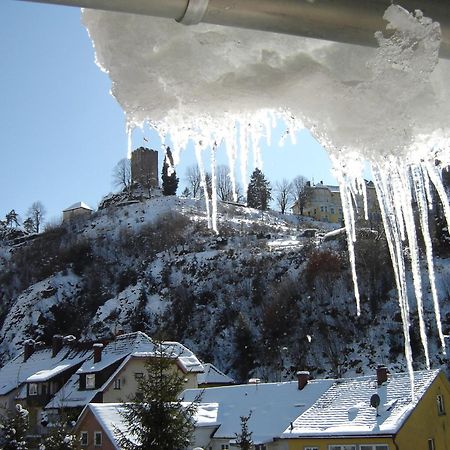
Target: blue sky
pixel 62 131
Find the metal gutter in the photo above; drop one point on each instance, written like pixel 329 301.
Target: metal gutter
pixel 349 21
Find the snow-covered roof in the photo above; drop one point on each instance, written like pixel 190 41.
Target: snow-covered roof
pixel 138 344
pixel 187 360
pixel 345 410
pixel 47 374
pixel 212 375
pixel 40 366
pixel 78 205
pixel 272 405
pixel 109 417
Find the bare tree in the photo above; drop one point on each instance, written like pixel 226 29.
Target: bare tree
pixel 36 213
pixel 224 185
pixel 300 191
pixel 194 180
pixel 283 195
pixel 122 174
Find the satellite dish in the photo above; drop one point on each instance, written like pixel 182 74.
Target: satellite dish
pixel 375 401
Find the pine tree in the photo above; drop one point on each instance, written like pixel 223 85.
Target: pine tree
pixel 155 418
pixel 13 428
pixel 169 175
pixel 259 191
pixel 244 438
pixel 60 437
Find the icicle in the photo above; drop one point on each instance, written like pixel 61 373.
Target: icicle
pixel 129 131
pixel 243 144
pixel 230 145
pixel 214 187
pixel 198 155
pixel 408 215
pixel 385 193
pixel 421 198
pixel 349 220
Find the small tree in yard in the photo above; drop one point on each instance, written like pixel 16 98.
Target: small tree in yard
pixel 59 438
pixel 155 418
pixel 258 191
pixel 283 194
pixel 244 438
pixel 169 175
pixel 13 428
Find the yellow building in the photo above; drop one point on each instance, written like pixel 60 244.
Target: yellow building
pixel 323 203
pixel 368 413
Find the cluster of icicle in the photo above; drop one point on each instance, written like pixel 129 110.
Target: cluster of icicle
pixel 214 86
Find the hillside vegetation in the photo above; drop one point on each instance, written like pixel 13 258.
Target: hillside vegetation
pixel 258 300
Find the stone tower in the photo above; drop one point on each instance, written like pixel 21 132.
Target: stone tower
pixel 144 167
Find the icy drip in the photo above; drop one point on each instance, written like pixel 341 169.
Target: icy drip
pixel 388 204
pixel 204 184
pixel 214 187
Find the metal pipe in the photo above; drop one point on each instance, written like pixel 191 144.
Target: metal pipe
pixel 349 21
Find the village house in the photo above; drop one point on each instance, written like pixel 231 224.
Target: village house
pixel 76 211
pixel 112 373
pixel 98 424
pixel 377 413
pixel 36 374
pixel 323 203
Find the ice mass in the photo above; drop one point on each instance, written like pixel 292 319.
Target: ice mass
pixel 388 107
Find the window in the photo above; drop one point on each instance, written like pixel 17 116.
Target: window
pixel 138 375
pixel 90 381
pixel 32 389
pixel 374 447
pixel 260 447
pixel 117 383
pixel 321 208
pixel 311 448
pixel 97 439
pixel 224 446
pixel 440 405
pixel 342 447
pixel 431 444
pixel 84 439
pixel 332 210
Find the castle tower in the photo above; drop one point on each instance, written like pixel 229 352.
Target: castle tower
pixel 144 167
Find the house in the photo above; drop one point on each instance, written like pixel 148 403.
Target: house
pixel 213 377
pixel 376 413
pixel 36 374
pixel 273 406
pixel 323 203
pixel 76 211
pixel 98 422
pixel 111 374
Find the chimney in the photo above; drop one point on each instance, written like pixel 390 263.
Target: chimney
pixel 98 348
pixel 28 349
pixel 382 375
pixel 57 343
pixel 302 378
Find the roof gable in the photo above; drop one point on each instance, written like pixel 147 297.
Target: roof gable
pixel 78 205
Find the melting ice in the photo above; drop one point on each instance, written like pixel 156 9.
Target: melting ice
pixel 388 106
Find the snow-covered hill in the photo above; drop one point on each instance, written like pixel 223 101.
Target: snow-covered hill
pixel 262 299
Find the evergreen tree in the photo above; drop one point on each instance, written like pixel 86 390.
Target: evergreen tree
pixel 12 219
pixel 60 437
pixel 155 418
pixel 13 428
pixel 259 191
pixel 28 225
pixel 169 175
pixel 244 438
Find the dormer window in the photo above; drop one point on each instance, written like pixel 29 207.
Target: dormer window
pixel 32 389
pixel 90 381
